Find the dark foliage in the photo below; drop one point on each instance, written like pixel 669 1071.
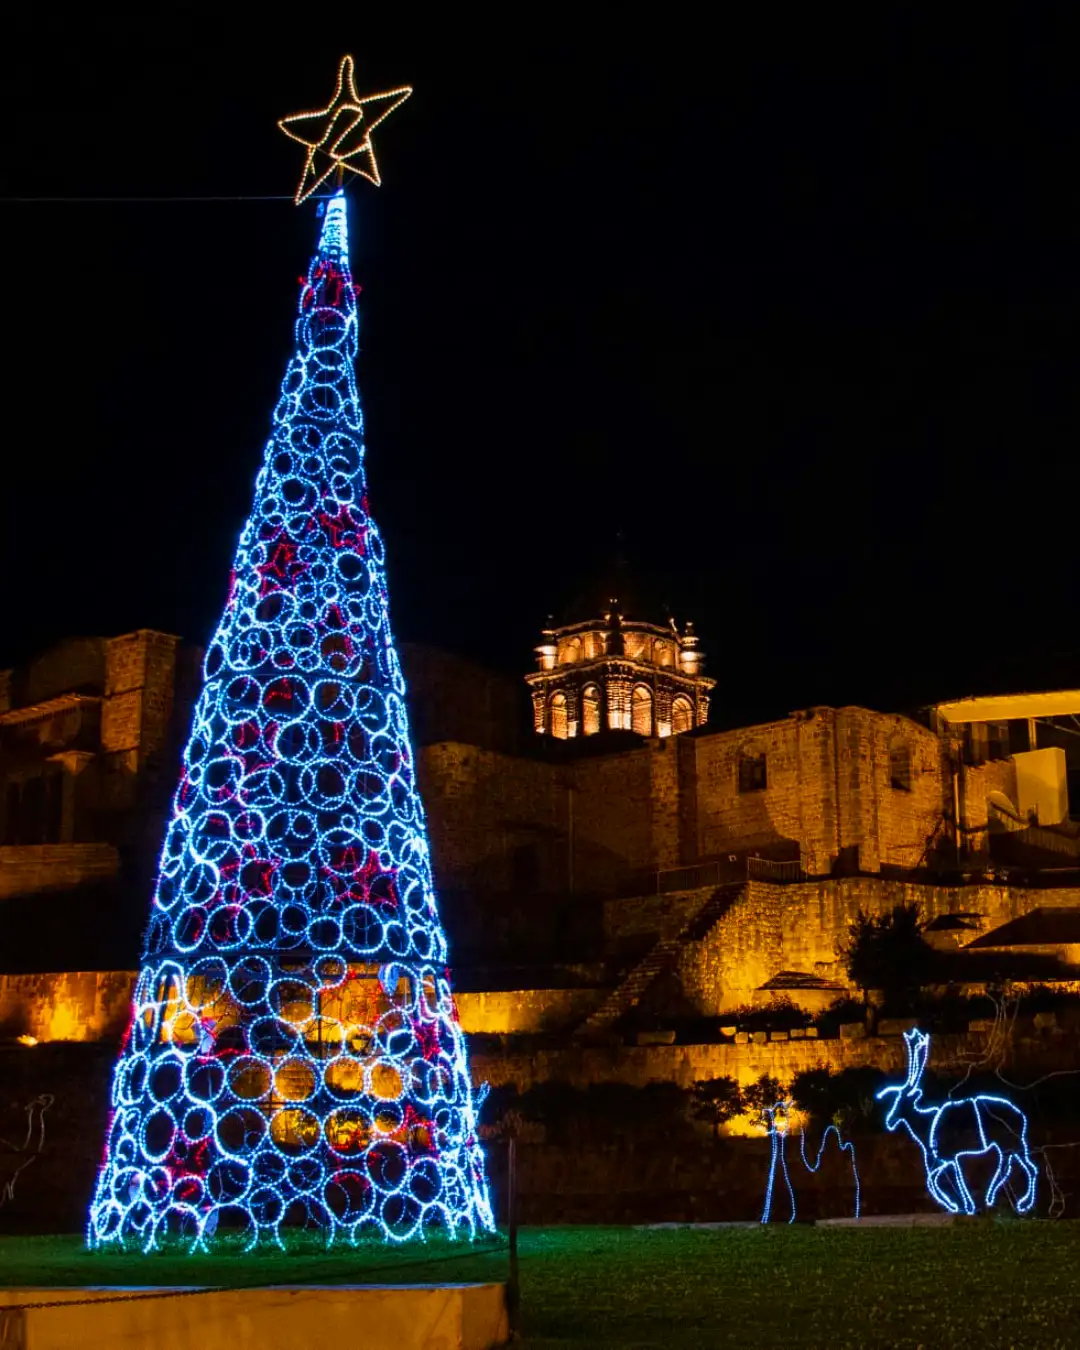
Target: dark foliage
pixel 605 1110
pixel 838 1014
pixel 846 1099
pixel 716 1100
pixel 887 952
pixel 762 1094
pixel 778 1015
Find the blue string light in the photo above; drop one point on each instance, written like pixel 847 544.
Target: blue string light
pixel 776 1121
pixel 997 1123
pixel 845 1146
pixel 295 1054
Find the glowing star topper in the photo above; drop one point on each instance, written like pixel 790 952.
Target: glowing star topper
pixel 338 137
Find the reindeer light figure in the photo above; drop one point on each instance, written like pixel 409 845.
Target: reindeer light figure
pixel 998 1124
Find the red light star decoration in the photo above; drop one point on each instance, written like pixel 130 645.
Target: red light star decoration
pixel 282 568
pixel 339 135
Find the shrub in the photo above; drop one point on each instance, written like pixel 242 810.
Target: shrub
pixel 716 1100
pixel 887 952
pixel 839 1013
pixel 762 1095
pixel 847 1100
pixel 778 1015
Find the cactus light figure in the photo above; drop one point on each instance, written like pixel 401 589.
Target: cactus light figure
pixel 997 1125
pixel 776 1119
pixel 295 1055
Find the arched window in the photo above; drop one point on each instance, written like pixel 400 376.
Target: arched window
pixel 590 709
pixel 900 765
pixel 557 718
pixel 641 710
pixel 682 714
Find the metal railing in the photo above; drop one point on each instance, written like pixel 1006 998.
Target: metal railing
pixel 718 871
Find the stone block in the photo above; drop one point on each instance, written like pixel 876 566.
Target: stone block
pixel 852 1031
pixel 982 1024
pixel 811 1033
pixel 760 1037
pixel 742 1037
pixel 797 1033
pixel 656 1038
pixel 469 1316
pixel 778 1035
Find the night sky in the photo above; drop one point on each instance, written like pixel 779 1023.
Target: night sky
pixel 793 309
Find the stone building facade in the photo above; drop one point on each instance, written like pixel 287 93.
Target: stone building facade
pixel 722 866
pixel 89 739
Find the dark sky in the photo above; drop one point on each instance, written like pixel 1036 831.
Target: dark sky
pixel 792 308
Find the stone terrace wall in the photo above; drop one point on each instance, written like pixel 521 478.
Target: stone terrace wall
pixel 88 1005
pixel 1039 1050
pixel 815 920
pixel 800 927
pixel 26 869
pixel 685 1065
pixel 738 955
pixel 525 1010
pixel 94 1005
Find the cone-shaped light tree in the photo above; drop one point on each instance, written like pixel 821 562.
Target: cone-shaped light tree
pixel 294 1053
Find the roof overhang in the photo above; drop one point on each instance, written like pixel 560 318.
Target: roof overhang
pixel 1006 707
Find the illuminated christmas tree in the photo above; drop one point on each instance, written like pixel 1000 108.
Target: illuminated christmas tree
pixel 294 1054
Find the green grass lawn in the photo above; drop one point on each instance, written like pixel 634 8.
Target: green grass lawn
pixel 977 1285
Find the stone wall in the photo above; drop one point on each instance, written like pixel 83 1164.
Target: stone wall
pixel 451 699
pixel 815 919
pixel 525 1010
pixel 739 954
pixel 495 823
pixel 502 823
pixel 27 869
pixel 74 665
pixel 88 1005
pixel 650 915
pixel 138 693
pixel 975 784
pixel 94 1005
pixel 828 786
pixel 686 1065
pixel 624 815
pixel 800 927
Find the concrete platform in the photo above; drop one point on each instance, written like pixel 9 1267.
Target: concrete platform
pixel 280 1317
pixel 891 1221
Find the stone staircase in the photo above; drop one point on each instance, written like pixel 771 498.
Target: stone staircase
pixel 660 959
